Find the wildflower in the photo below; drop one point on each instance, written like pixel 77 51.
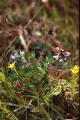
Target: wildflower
pixel 64 54
pixel 44 1
pixel 75 69
pixel 61 60
pixel 18 84
pixel 11 66
pixel 56 57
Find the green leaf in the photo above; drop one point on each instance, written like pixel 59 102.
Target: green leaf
pixel 30 85
pixel 21 100
pixel 49 58
pixel 2 76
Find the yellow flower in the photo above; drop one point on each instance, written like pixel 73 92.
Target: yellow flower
pixel 75 69
pixel 11 66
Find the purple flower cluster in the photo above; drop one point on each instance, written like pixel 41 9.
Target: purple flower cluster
pixel 61 55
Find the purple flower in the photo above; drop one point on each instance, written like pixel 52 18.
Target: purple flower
pixel 66 54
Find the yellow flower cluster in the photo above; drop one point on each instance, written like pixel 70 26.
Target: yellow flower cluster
pixel 11 66
pixel 75 69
